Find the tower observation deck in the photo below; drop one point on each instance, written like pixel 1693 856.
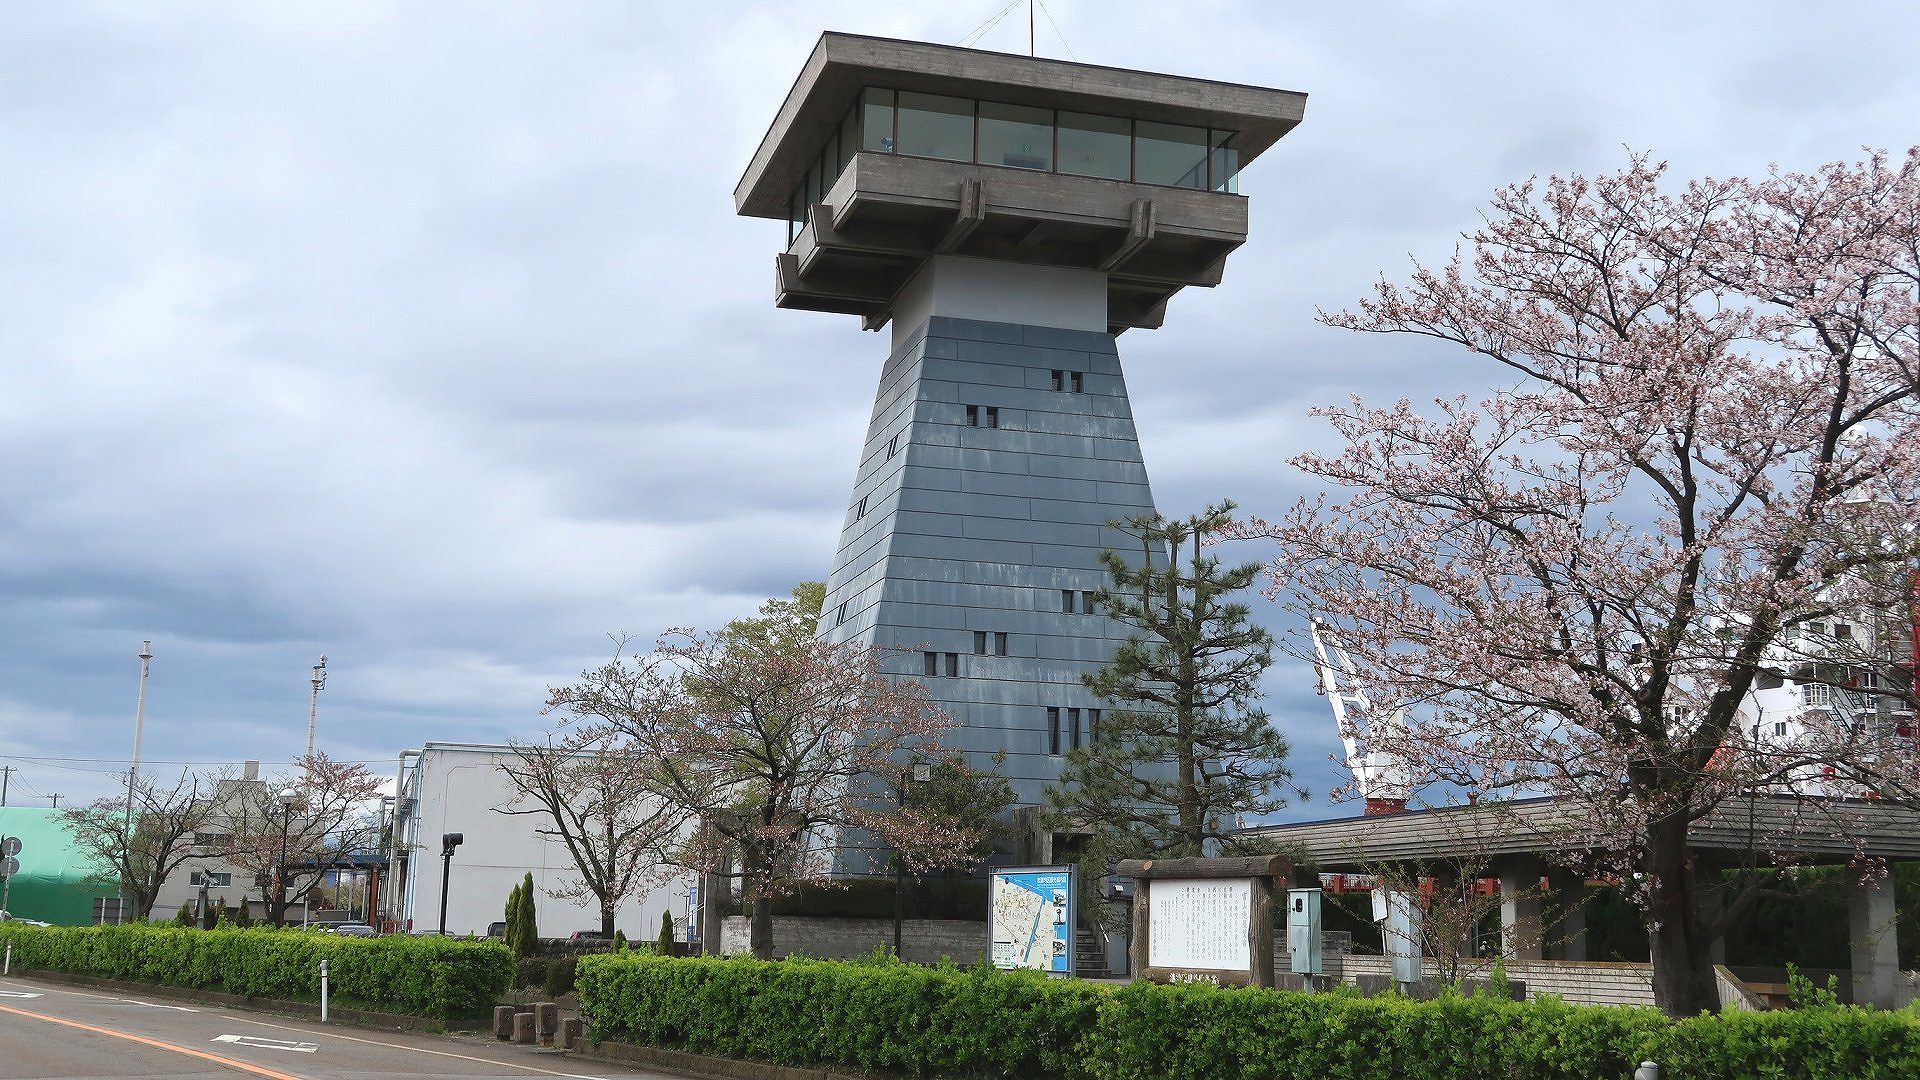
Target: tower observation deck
pixel 1008 216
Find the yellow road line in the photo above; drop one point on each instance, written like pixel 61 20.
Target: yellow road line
pixel 230 1063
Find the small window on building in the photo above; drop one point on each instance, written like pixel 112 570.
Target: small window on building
pixel 932 662
pixel 993 416
pixel 973 416
pixel 1073 727
pixel 1053 731
pixel 211 879
pixel 842 616
pixel 1780 728
pixel 1843 631
pixel 999 644
pixel 860 511
pixel 953 665
pixel 980 643
pixel 1815 695
pixel 1066 601
pixel 1059 379
pixel 893 446
pixel 1816 627
pixel 1086 603
pixel 1093 727
pixel 1076 382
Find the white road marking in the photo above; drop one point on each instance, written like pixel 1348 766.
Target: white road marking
pixel 151 1005
pixel 268 1044
pixel 420 1050
pixel 16 994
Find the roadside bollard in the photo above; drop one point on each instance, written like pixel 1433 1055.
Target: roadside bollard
pixel 503 1022
pixel 323 991
pixel 1648 1070
pixel 7 969
pixel 523 1027
pixel 571 1031
pixel 546 1020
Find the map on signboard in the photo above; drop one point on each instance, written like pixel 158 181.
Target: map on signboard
pixel 1200 924
pixel 1029 919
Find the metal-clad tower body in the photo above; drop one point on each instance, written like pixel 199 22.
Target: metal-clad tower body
pixel 1007 217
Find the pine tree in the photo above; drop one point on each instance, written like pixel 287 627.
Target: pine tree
pixel 1185 749
pixel 511 925
pixel 665 946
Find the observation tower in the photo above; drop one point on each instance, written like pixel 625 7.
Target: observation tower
pixel 1006 217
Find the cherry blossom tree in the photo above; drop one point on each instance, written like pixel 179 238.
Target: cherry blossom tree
pixel 287 831
pixel 597 797
pixel 1704 437
pixel 786 750
pixel 141 848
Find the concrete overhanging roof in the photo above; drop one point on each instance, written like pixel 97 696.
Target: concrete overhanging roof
pixel 1820 830
pixel 842 64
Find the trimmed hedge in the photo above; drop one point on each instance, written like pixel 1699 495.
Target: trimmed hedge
pixel 919 1021
pixel 432 977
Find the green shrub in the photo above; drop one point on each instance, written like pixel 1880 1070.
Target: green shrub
pixel 665 945
pixel 529 971
pixel 427 976
pixel 881 1015
pixel 559 978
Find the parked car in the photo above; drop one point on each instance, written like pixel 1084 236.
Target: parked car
pixel 5 917
pixel 354 929
pixel 588 935
pixel 496 929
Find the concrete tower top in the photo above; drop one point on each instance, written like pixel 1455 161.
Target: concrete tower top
pixel 887 153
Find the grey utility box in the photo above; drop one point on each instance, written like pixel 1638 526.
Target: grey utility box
pixel 1303 930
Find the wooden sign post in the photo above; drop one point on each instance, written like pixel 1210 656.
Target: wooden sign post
pixel 1205 920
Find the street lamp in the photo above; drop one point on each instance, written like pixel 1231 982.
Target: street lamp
pixel 921 772
pixel 448 841
pixel 287 797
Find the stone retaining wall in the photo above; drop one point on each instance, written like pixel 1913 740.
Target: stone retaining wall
pixel 924 941
pixel 1591 983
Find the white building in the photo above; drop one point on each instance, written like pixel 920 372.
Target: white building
pixel 1828 688
pixel 461 788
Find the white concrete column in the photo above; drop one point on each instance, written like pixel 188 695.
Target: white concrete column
pixel 1873 933
pixel 1570 916
pixel 1520 923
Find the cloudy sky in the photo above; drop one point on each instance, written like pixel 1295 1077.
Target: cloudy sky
pixel 425 335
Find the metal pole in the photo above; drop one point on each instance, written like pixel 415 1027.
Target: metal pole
pixel 323 991
pixel 6 774
pixel 133 771
pixel 313 703
pixel 280 872
pixel 899 871
pixel 446 871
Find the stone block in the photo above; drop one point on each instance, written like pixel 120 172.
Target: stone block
pixel 546 1020
pixel 523 1028
pixel 572 1033
pixel 503 1022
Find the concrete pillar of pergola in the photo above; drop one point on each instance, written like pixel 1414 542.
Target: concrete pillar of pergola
pixel 1521 926
pixel 1567 934
pixel 1712 905
pixel 1873 933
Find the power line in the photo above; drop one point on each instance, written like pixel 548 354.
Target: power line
pixel 974 37
pixel 1056 30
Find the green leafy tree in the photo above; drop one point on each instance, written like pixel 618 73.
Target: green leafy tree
pixel 1185 749
pixel 528 936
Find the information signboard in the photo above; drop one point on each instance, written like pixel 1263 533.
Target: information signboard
pixel 1030 918
pixel 1200 924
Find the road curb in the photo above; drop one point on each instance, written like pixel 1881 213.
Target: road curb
pixel 705 1066
pixel 304 1010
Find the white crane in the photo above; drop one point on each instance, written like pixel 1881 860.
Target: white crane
pixel 1382 776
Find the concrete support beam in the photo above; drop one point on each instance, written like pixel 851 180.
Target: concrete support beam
pixel 1140 231
pixel 1521 925
pixel 1873 934
pixel 1569 929
pixel 972 211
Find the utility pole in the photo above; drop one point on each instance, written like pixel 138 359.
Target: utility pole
pixel 56 797
pixel 6 775
pixel 319 683
pixel 133 769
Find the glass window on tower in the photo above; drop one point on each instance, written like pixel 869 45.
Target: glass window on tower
pixel 1017 135
pixel 935 126
pixel 876 120
pixel 849 141
pixel 1096 145
pixel 1224 161
pixel 1170 154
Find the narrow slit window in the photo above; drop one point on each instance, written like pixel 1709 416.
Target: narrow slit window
pixel 861 510
pixel 1076 382
pixel 932 662
pixel 1780 728
pixel 1053 731
pixel 1086 603
pixel 1066 601
pixel 953 665
pixel 1000 644
pixel 973 416
pixel 1073 727
pixel 1093 727
pixel 993 416
pixel 980 643
pixel 893 446
pixel 842 617
pixel 1059 379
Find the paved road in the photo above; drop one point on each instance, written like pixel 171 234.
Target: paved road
pixel 50 1031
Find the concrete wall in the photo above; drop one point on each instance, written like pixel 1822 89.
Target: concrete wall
pixel 1591 983
pixel 953 529
pixel 924 941
pixel 460 788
